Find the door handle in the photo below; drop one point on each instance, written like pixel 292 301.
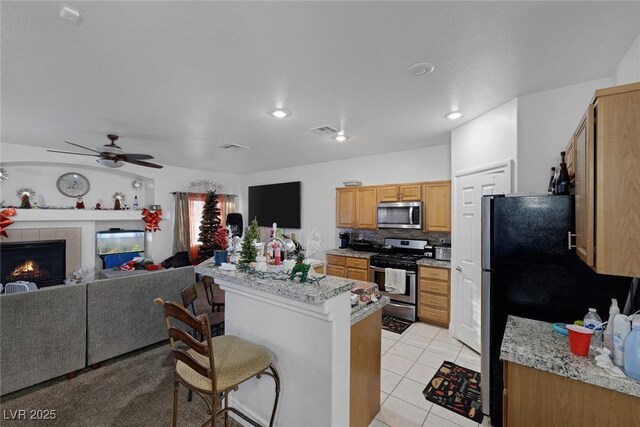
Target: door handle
pixel 458 268
pixel 569 236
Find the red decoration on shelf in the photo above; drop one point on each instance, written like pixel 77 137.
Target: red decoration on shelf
pixel 152 219
pixel 5 221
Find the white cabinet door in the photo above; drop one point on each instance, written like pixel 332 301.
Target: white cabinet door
pixel 467 267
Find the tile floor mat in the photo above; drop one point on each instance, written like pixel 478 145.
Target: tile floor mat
pixel 395 324
pixel 456 389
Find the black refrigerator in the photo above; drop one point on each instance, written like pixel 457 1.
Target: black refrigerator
pixel 528 270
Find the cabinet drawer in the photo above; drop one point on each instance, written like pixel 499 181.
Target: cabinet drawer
pixel 357 274
pixel 434 287
pixel 434 273
pixel 358 263
pixel 433 300
pixel 336 260
pixel 434 314
pixel 335 270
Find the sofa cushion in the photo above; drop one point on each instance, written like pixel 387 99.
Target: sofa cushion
pixel 121 315
pixel 43 335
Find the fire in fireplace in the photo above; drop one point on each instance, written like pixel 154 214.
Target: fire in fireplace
pixel 42 263
pixel 29 271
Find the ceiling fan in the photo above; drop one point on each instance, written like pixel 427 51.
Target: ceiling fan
pixel 112 156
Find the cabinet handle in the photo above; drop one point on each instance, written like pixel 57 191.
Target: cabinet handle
pixel 569 236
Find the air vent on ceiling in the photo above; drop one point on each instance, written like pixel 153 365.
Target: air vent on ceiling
pixel 234 147
pixel 325 130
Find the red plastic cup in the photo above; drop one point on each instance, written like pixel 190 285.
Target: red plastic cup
pixel 579 339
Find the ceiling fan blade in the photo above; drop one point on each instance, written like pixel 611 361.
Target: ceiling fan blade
pixel 135 156
pixel 77 154
pixel 141 163
pixel 78 145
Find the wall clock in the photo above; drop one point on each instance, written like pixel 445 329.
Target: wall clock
pixel 73 184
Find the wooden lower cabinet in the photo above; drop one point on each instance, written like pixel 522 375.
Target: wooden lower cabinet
pixel 348 267
pixel 536 398
pixel 434 295
pixel 366 340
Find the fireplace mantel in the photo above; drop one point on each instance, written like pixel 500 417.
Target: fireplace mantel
pixel 75 215
pixel 39 224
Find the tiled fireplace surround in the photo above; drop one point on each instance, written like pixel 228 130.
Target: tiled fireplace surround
pixel 71 235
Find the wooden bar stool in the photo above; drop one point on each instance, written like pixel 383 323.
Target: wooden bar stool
pixel 215 367
pixel 216 320
pixel 215 295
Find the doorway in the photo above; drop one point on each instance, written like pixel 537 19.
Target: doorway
pixel 466 271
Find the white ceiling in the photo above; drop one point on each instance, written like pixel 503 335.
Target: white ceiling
pixel 179 79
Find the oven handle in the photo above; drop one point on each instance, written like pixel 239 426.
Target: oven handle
pixel 380 269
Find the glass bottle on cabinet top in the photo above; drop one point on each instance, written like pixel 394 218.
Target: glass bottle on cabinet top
pixel 562 182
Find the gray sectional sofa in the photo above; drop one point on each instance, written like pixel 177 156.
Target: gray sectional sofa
pixel 61 329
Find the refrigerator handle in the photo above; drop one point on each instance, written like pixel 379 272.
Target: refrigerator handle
pixel 569 236
pixel 486 232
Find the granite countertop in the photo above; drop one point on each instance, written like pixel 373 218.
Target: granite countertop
pixel 430 262
pixel 351 253
pixel 534 344
pixel 314 293
pixel 359 313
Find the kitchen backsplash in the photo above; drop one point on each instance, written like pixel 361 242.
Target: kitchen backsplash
pixel 377 236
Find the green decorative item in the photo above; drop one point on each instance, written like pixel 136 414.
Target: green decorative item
pixel 209 227
pixel 302 269
pixel 248 252
pixel 25 203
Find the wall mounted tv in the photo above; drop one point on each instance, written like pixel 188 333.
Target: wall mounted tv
pixel 278 203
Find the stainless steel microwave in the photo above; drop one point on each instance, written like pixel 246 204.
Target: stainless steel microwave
pixel 400 215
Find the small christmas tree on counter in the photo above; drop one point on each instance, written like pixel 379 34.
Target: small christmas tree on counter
pixel 209 226
pixel 248 252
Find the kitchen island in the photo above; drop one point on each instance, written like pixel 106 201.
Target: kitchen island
pixel 310 328
pixel 546 384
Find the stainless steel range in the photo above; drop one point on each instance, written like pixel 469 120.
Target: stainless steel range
pixel 401 254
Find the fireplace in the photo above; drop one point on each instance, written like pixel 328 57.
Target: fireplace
pixel 42 262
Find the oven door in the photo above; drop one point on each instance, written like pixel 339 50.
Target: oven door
pixel 377 276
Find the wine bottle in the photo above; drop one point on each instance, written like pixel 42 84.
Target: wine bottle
pixel 562 183
pixel 552 182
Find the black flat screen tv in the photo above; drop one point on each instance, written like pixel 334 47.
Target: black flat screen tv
pixel 279 203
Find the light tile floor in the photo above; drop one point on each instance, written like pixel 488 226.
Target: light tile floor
pixel 409 361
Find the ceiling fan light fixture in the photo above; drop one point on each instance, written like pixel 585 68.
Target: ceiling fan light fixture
pixel 279 113
pixel 109 163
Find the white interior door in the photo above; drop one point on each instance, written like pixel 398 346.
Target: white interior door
pixel 467 272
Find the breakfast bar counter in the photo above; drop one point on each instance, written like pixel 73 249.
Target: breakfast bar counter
pixel 544 381
pixel 310 329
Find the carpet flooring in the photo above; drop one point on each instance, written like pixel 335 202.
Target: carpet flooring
pixel 131 390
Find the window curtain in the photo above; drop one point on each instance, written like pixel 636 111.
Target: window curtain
pixel 228 205
pixel 181 238
pixel 196 204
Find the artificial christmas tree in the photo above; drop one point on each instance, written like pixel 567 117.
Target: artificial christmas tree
pixel 209 226
pixel 25 203
pixel 248 252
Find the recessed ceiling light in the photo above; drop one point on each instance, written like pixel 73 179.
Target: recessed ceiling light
pixel 279 113
pixel 70 14
pixel 341 137
pixel 454 115
pixel 421 69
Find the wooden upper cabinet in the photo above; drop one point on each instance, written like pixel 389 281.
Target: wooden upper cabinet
pixel 437 206
pixel 345 207
pixel 607 144
pixel 570 158
pixel 584 197
pixel 366 208
pixel 410 193
pixel 388 193
pixel 400 193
